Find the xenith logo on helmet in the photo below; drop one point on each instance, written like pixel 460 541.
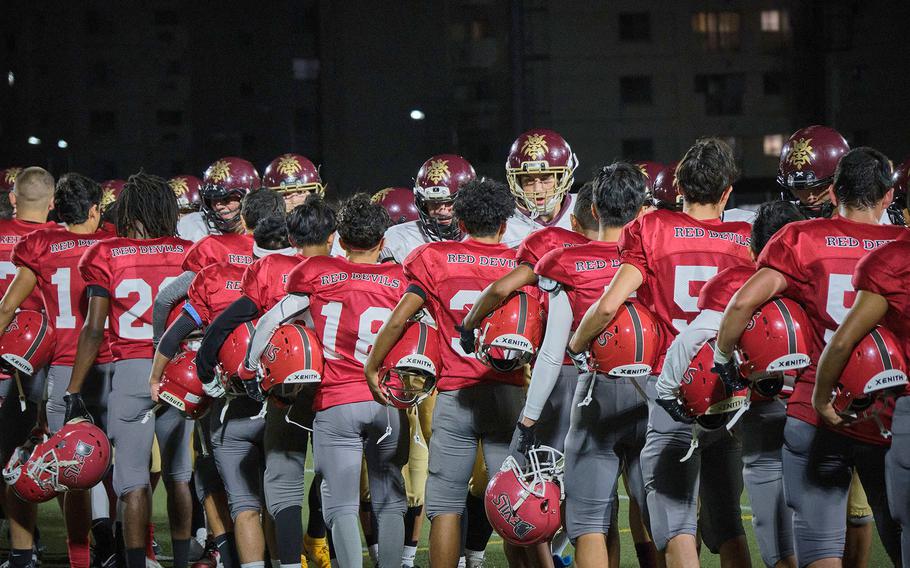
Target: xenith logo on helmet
pixel 884 380
pixel 504 507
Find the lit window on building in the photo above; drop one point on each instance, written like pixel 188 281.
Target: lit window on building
pixel 772 144
pixel 774 21
pixel 718 31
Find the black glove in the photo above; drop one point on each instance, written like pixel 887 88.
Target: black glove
pixel 675 410
pixel 729 374
pixel 467 340
pixel 580 360
pixel 524 439
pixel 75 408
pixel 254 389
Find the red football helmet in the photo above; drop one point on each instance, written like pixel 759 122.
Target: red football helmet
pixel 665 189
pixel 704 395
pixel 522 505
pixel 76 457
pixel 775 343
pixel 27 344
pixel 399 203
pixel 225 178
pixel 629 345
pixel 181 387
pixel 293 173
pixel 14 473
pixel 187 188
pixel 438 180
pixel 8 178
pixel 292 359
pixel 876 368
pixel 808 160
pixel 541 151
pixel 411 369
pixel 110 191
pixel 511 334
pixel 231 355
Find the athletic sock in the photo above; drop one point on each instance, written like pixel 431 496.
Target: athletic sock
pixel 227 549
pixel 135 558
pixel 408 556
pixel 647 557
pixel 410 518
pixel 315 526
pixel 103 535
pixel 181 552
pixel 473 558
pixel 79 554
pixel 258 564
pixel 21 558
pixel 149 550
pixel 289 534
pixel 373 550
pixel 479 529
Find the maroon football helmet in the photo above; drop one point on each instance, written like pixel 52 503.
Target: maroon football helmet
pixel 8 179
pixel 665 189
pixel 650 169
pixel 110 191
pixel 438 180
pixel 398 203
pixel 541 151
pixel 900 183
pixel 187 188
pixel 808 161
pixel 292 173
pixel 227 177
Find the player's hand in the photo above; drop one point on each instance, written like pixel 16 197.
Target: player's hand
pixel 253 388
pixel 75 408
pixel 154 387
pixel 728 371
pixel 580 359
pixel 372 377
pixel 826 410
pixel 246 374
pixel 675 410
pixel 524 439
pixel 467 339
pixel 214 389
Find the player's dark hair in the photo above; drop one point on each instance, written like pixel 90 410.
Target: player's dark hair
pixel 311 223
pixel 706 171
pixel 74 196
pixel 862 177
pixel 147 205
pixel 362 224
pixel 483 205
pixel 271 233
pixel 582 209
pixel 6 207
pixel 620 190
pixel 260 204
pixel 771 218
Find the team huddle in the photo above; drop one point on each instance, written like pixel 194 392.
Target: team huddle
pixel 488 356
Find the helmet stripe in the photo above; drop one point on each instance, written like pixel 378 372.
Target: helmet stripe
pixel 522 312
pixel 639 333
pixel 788 320
pixel 422 338
pixel 39 338
pixel 307 349
pixel 882 349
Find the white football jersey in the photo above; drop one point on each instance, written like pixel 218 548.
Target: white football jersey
pixel 739 215
pixel 401 239
pixel 193 227
pixel 520 225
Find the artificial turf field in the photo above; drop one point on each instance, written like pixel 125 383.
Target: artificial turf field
pixel 51 524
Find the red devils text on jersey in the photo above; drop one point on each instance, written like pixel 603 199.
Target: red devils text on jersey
pixel 539 243
pixel 349 302
pixel 452 275
pixel 11 232
pixel 132 271
pixel 213 289
pixel 265 279
pixel 232 248
pixel 818 258
pixel 53 255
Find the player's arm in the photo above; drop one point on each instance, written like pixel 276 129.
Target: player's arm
pixel 166 300
pixel 90 339
pixel 549 359
pixel 289 308
pixel 494 294
pixel 388 336
pixel 169 346
pixel 241 311
pixel 19 289
pixel 761 287
pixel 626 281
pixel 868 309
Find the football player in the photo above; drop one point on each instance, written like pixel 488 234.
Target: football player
pixel 670 255
pixel 399 203
pixel 188 190
pixel 32 198
pixel 122 276
pixel 347 299
pixel 224 184
pixel 762 427
pixel 311 228
pixel 898 210
pixel 812 262
pixel 613 428
pixel 294 177
pixel 807 163
pixel 474 403
pixel 880 280
pixel 7 180
pixel 47 264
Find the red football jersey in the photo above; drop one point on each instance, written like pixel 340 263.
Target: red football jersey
pixel 53 255
pixel 539 243
pixel 452 275
pixel 11 232
pixel 213 289
pixel 716 293
pixel 886 272
pixel 676 254
pixel 265 279
pixel 232 248
pixel 349 302
pixel 132 271
pixel 584 271
pixel 818 258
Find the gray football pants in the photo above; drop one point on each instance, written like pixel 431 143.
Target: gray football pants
pixel 897 473
pixel 95 392
pixel 285 441
pixel 237 444
pixel 556 415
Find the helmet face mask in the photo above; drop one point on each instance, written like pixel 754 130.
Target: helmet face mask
pixel 437 182
pixel 226 180
pixel 808 161
pixel 410 370
pixel 407 387
pixel 510 335
pixel 439 227
pixel 533 158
